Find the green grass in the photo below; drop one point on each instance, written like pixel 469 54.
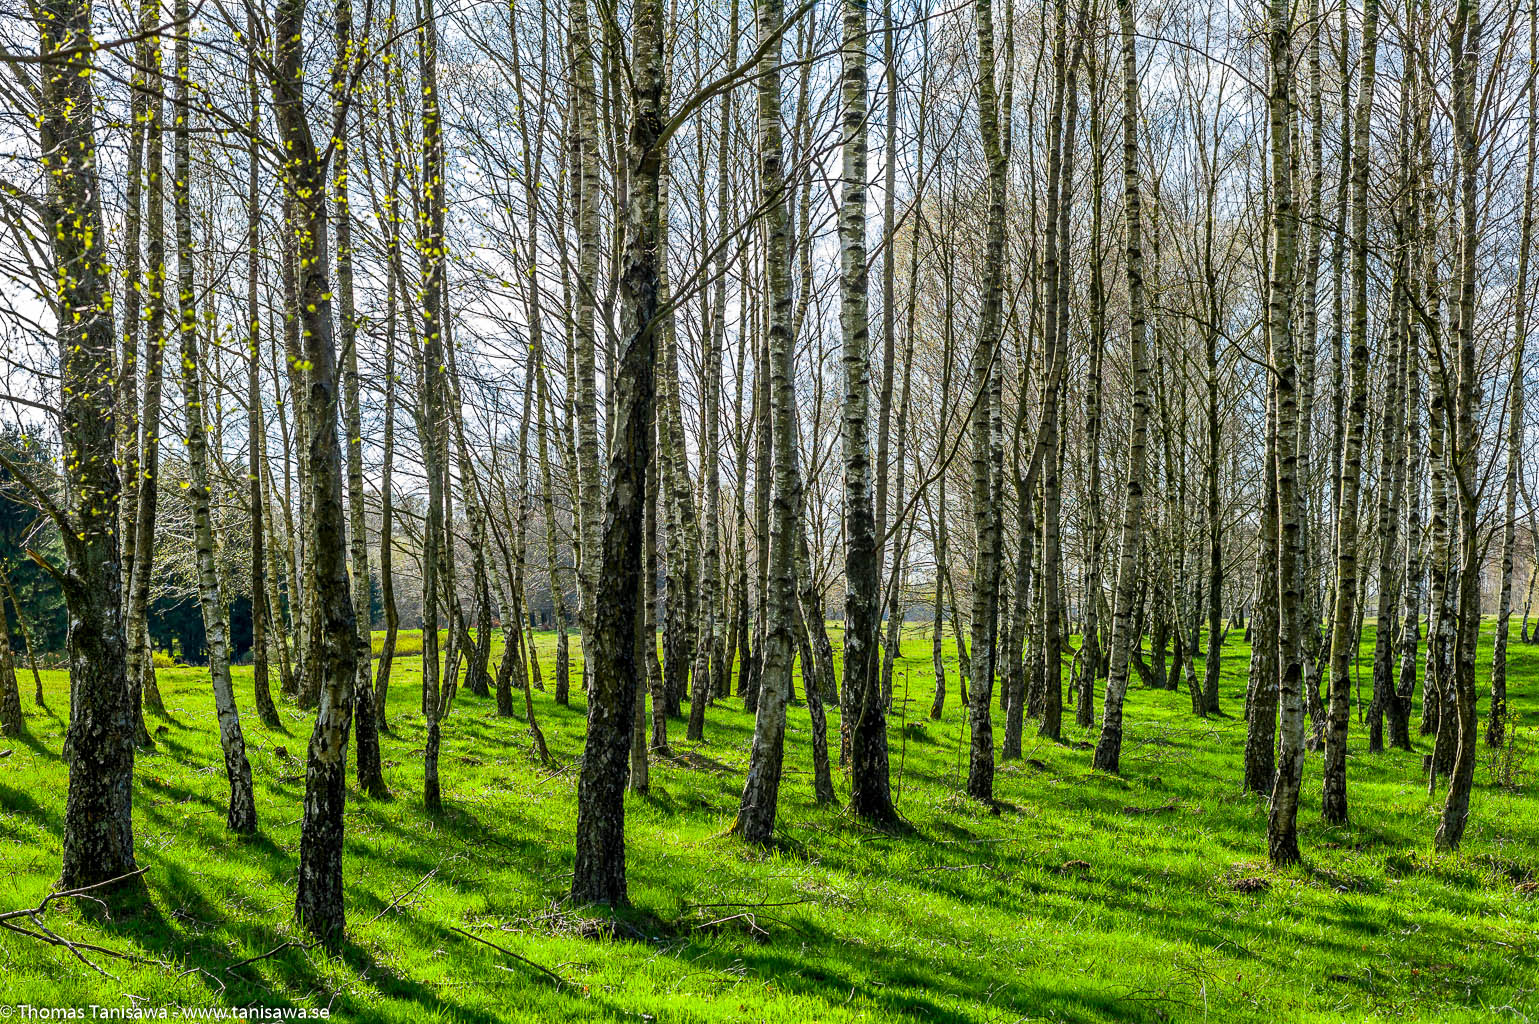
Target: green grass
pixel 1088 897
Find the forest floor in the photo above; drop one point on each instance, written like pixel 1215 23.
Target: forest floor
pixel 1087 897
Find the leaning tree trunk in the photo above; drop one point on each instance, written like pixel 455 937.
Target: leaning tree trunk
pixel 938 520
pixel 387 501
pixel 477 649
pixel 26 639
pixel 548 513
pixel 817 666
pixel 513 615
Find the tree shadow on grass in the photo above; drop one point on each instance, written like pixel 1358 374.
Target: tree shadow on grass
pixel 26 739
pixel 279 967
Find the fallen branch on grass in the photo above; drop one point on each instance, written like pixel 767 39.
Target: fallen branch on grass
pixel 752 918
pixel 270 953
pixel 753 925
pixel 397 901
pixel 552 975
pixel 68 893
pixel 50 937
pixel 784 903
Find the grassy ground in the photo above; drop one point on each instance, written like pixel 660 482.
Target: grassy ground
pixel 1088 897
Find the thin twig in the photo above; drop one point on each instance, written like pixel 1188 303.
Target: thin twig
pixel 53 938
pixel 753 925
pixel 66 893
pixel 786 903
pixel 271 952
pixel 558 979
pixel 396 902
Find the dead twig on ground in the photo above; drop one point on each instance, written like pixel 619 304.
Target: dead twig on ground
pixel 397 901
pixel 552 975
pixel 44 934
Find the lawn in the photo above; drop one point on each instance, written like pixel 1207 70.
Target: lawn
pixel 1085 897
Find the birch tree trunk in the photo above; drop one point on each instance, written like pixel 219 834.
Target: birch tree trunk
pixel 817 667
pixel 1391 495
pixel 1282 832
pixel 756 812
pixel 548 513
pixel 11 721
pixel 599 872
pixel 1054 628
pixel 1395 427
pixel 706 672
pixel 334 666
pixel 1466 66
pixel 256 437
pixel 98 837
pixel 1345 639
pixel 584 165
pixel 438 682
pixel 1496 723
pixel 371 778
pixel 141 666
pixel 387 495
pixel 1399 706
pixel 1124 640
pixel 986 520
pixel 242 809
pixel 870 796
pixel 1090 642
